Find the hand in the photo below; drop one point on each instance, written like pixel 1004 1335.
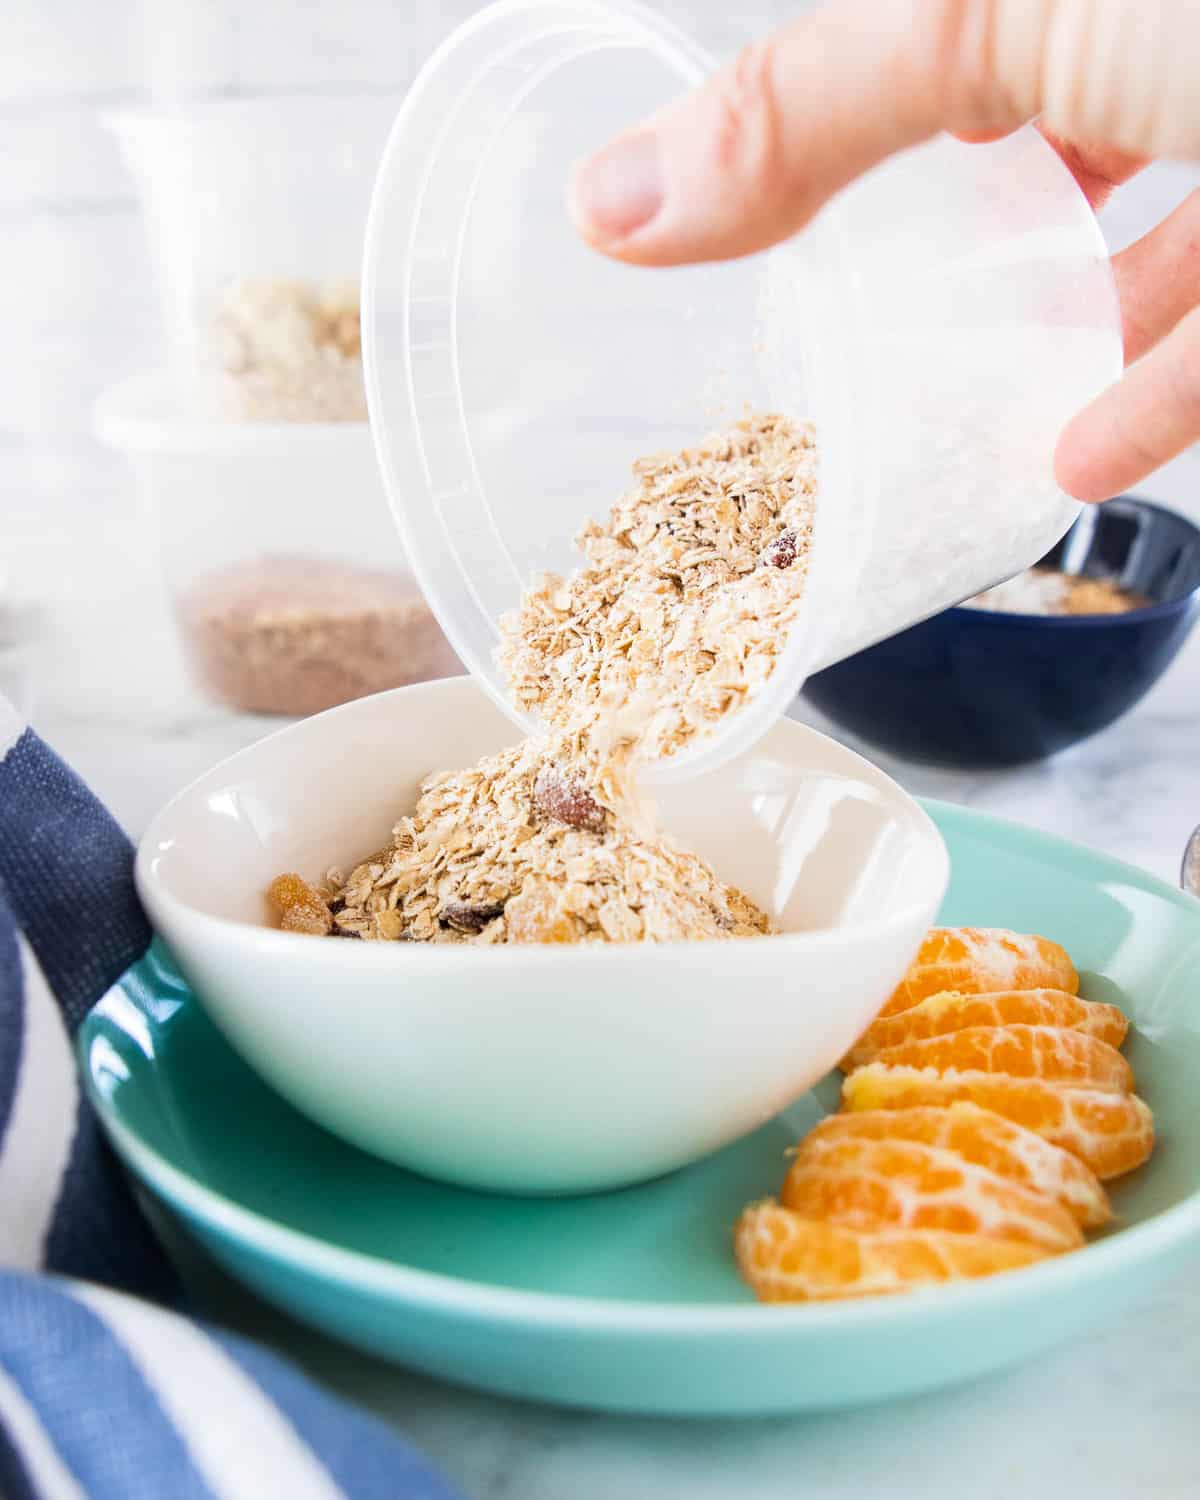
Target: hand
pixel 749 158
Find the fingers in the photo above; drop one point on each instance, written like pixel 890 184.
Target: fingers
pixel 750 157
pixel 1098 169
pixel 1158 278
pixel 1137 425
pixel 1120 71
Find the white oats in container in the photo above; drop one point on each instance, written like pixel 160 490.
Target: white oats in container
pixel 688 590
pixel 289 351
pixel 255 209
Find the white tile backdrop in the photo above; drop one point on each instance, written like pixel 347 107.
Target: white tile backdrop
pixel 76 300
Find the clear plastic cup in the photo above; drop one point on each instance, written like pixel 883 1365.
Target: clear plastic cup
pixel 256 210
pixel 939 322
pixel 286 578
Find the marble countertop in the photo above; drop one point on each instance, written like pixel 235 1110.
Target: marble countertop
pixel 1110 1417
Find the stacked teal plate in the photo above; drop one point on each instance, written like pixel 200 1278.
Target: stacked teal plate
pixel 629 1300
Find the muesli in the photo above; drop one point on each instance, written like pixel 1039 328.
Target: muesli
pixel 677 616
pixel 517 850
pixel 689 589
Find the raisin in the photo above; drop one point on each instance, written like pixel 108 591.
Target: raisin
pixel 564 799
pixel 781 553
pixel 464 917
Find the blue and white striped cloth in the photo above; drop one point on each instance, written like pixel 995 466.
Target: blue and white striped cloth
pixel 103 1392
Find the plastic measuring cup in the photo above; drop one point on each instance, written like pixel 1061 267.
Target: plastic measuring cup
pixel 939 321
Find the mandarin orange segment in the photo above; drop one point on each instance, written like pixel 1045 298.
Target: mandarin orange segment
pixel 1050 1052
pixel 1112 1133
pixel 866 1185
pixel 786 1257
pixel 981 1137
pixel 980 961
pixel 952 1011
pixel 979 1113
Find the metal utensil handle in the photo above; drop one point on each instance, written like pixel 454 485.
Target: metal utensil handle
pixel 1189 874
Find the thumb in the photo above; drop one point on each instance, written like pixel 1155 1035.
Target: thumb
pixel 749 157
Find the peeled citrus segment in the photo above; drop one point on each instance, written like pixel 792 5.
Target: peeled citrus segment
pixel 869 1185
pixel 981 1137
pixel 1049 1052
pixel 1112 1133
pixel 788 1258
pixel 980 961
pixel 951 1011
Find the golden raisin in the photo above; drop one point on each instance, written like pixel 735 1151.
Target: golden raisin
pixel 536 916
pixel 301 907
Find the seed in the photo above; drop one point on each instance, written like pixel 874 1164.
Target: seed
pixel 781 553
pixel 464 917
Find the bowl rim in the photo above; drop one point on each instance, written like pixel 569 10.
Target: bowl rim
pixel 1124 1249
pixel 1146 612
pixel 165 908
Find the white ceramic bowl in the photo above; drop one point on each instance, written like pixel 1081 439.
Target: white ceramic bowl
pixel 530 1069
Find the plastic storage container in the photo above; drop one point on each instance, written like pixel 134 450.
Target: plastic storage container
pixel 256 210
pixel 36 581
pixel 289 584
pixel 23 630
pixel 939 321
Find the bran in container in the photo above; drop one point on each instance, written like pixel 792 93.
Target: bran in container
pixel 295 636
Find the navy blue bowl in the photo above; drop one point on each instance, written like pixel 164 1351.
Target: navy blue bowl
pixel 975 688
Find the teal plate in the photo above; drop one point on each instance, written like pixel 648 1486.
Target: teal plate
pixel 629 1300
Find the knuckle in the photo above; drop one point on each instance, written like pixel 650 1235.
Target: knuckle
pixel 1101 65
pixel 959 51
pixel 745 143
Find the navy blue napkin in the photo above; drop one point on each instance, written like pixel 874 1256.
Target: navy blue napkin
pixel 105 1391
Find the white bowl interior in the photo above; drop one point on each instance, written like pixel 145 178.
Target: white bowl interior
pixel 818 836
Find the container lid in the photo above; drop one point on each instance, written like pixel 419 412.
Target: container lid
pixel 151 414
pixel 513 374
